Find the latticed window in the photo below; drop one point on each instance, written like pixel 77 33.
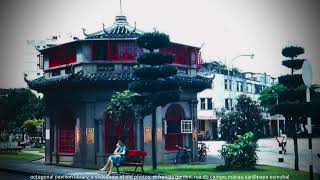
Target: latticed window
pixel 66 140
pixel 186 126
pixel 122 51
pixel 128 51
pixel 100 51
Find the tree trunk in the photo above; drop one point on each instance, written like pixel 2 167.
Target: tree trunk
pixel 153 131
pixel 22 134
pixel 295 142
pixel 141 134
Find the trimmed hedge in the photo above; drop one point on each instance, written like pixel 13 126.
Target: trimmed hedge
pixel 294 64
pixel 242 154
pixel 152 86
pixel 291 81
pixel 153 40
pixel 155 72
pixel 292 95
pixel 155 58
pixel 292 51
pixel 292 109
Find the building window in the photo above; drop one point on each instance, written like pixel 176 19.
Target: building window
pixel 202 103
pixel 202 125
pixel 128 51
pixel 186 126
pixel 122 51
pixel 209 102
pixel 239 86
pixel 230 85
pixel 226 84
pixel 257 88
pixel 62 55
pixel 66 140
pixel 40 61
pixel 100 51
pixel 226 104
pixel 249 88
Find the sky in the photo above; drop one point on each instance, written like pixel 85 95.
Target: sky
pixel 225 28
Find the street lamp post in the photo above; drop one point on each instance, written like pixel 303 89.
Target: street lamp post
pixel 229 83
pixel 307 80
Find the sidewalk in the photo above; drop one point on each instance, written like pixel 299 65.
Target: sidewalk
pixel 57 172
pixel 268 153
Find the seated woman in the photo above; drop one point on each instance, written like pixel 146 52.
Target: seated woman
pixel 117 158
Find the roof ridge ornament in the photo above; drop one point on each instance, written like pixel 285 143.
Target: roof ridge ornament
pixel 84 32
pixel 135 27
pixel 25 78
pixel 104 29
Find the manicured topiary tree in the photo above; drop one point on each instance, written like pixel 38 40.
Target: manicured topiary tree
pixel 292 99
pixel 154 85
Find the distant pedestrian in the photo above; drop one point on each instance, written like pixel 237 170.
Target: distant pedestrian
pixel 284 143
pixel 282 140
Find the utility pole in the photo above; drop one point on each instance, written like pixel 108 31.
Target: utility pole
pixel 307 80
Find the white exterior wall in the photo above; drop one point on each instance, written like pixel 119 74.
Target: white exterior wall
pixel 219 94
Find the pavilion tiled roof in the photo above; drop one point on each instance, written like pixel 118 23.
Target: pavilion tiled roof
pixel 120 29
pixel 108 80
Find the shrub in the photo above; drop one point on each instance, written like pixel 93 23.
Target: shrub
pixel 240 155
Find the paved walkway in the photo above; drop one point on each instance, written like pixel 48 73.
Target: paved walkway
pixel 268 153
pixel 34 169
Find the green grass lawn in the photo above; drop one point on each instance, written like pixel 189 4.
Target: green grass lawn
pixel 41 150
pixel 210 171
pixel 21 156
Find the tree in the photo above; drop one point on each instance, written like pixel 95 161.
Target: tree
pixel 269 96
pixel 121 108
pixel 240 155
pixel 153 87
pixel 229 125
pixel 18 105
pixel 292 99
pixel 6 124
pixel 33 127
pixel 246 118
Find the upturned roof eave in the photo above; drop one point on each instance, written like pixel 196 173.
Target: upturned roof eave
pixel 81 79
